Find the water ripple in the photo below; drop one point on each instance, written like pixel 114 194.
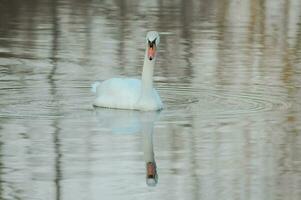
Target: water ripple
pixel 218 102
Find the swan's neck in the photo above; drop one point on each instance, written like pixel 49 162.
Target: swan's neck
pixel 147 131
pixel 147 75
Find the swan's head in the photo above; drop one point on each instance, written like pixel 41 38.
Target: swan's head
pixel 152 42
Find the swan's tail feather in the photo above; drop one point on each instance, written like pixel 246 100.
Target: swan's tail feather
pixel 94 86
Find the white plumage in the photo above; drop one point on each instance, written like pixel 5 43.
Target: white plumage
pixel 129 93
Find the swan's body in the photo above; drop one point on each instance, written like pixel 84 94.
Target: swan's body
pixel 125 93
pixel 128 93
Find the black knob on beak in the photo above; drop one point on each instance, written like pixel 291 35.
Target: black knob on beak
pixel 151 43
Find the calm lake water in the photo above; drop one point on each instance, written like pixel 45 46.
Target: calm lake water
pixel 228 72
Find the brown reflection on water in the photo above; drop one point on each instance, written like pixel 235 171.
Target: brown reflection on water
pixel 228 72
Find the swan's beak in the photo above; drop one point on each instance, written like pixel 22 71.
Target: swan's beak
pixel 150 170
pixel 151 174
pixel 151 52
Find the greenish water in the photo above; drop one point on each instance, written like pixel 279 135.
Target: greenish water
pixel 228 72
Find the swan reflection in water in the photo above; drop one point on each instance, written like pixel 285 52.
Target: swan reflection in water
pixel 129 121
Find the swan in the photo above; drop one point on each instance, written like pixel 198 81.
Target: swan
pixel 133 122
pixel 130 93
pixel 147 127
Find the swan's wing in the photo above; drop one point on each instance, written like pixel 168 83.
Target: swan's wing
pixel 119 87
pixel 118 93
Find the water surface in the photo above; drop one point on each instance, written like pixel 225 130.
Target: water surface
pixel 228 72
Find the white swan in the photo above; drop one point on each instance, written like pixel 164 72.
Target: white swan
pixel 128 93
pixel 147 127
pixel 133 122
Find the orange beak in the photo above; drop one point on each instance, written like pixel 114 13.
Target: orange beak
pixel 151 174
pixel 151 53
pixel 151 170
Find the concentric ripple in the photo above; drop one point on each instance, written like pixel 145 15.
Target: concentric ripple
pixel 221 102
